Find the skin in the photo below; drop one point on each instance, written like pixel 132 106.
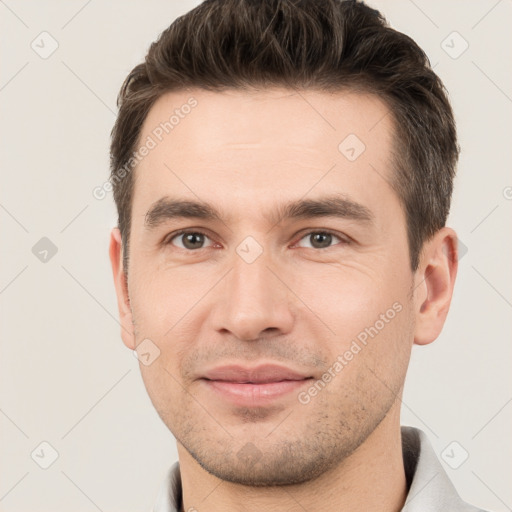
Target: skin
pixel 300 303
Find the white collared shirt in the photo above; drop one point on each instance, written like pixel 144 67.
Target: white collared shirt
pixel 430 488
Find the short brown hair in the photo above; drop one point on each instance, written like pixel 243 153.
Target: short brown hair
pixel 326 45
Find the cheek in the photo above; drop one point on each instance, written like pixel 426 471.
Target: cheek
pixel 374 361
pixel 388 346
pixel 350 299
pixel 162 305
pixel 166 394
pixel 371 321
pixel 161 298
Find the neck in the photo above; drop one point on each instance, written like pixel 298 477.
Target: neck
pixel 371 478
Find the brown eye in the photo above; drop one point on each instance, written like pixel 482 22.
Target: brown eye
pixel 190 240
pixel 320 239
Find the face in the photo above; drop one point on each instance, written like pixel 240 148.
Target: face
pixel 280 305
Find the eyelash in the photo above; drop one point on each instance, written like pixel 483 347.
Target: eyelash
pixel 343 238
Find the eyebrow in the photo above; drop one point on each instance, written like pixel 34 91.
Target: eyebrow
pixel 167 208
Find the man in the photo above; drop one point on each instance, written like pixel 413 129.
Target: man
pixel 283 172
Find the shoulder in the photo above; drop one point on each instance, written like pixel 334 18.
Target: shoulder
pixel 430 488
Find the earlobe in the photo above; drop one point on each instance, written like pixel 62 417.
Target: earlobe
pixel 435 279
pixel 123 299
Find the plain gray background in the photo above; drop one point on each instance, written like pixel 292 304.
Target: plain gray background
pixel 66 378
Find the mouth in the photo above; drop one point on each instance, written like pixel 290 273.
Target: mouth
pixel 256 386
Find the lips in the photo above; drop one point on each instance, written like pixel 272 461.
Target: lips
pixel 251 387
pixel 262 374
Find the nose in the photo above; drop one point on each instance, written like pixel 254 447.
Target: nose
pixel 253 301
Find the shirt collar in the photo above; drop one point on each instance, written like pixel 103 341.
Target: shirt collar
pixel 430 489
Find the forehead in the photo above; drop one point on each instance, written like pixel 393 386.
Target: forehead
pixel 270 142
pixel 242 116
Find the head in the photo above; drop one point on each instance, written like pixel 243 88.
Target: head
pixel 282 173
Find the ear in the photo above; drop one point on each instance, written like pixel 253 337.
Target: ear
pixel 123 299
pixel 434 282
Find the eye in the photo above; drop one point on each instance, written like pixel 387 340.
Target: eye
pixel 195 240
pixel 190 240
pixel 320 239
